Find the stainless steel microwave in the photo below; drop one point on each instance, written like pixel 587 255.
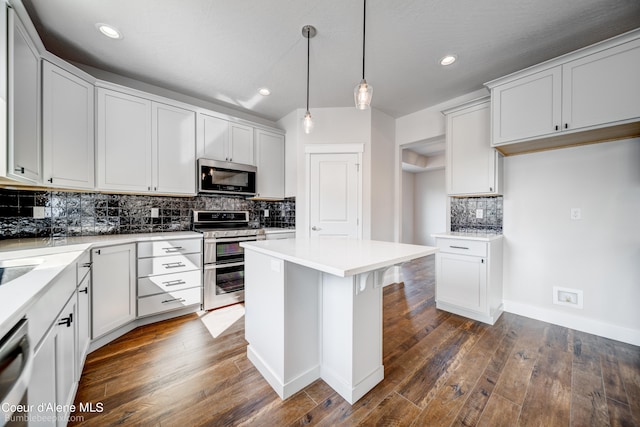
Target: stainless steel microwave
pixel 226 178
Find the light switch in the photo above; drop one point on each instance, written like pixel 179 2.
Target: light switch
pixel 576 214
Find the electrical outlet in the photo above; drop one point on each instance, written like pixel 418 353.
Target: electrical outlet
pixel 479 213
pixel 567 296
pixel 38 212
pixel 576 214
pixel 266 213
pixel 155 212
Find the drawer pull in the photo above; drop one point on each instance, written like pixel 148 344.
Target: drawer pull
pixel 172 249
pixel 66 320
pixel 174 282
pixel 87 265
pixel 173 300
pixel 458 247
pixel 84 291
pixel 173 265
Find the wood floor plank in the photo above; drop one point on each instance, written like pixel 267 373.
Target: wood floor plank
pixel 548 397
pixel 470 413
pixel 619 414
pixel 516 374
pixel 394 410
pixel 629 363
pixel 499 412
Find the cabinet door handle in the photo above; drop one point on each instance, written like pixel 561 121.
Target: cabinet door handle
pixel 50 180
pixel 566 125
pixel 173 249
pixel 557 127
pixel 98 251
pixel 66 320
pixel 314 228
pixel 85 290
pixel 19 169
pixel 173 265
pixel 174 282
pixel 490 188
pixel 87 264
pixel 173 300
pixel 458 247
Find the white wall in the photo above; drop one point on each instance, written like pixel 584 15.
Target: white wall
pixel 599 254
pixel 429 206
pixel 407 207
pixel 293 128
pixel 383 147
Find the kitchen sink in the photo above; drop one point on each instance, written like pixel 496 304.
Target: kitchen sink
pixel 14 268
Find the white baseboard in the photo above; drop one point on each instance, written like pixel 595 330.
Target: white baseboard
pixel 572 321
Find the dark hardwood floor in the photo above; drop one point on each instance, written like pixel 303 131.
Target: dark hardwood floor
pixel 440 370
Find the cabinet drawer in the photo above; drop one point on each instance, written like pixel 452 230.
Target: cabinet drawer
pixel 169 247
pixel 169 301
pixel 83 266
pixel 169 264
pixel 462 247
pixel 169 282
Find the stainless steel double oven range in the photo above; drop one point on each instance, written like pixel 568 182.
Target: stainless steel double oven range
pixel 223 257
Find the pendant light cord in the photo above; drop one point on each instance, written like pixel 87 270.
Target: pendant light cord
pixel 364 24
pixel 308 44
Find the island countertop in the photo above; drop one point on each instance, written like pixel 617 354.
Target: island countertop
pixel 339 256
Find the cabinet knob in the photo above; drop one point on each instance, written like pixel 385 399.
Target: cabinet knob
pixel 566 125
pixel 314 228
pixel 557 127
pixel 490 188
pixel 482 261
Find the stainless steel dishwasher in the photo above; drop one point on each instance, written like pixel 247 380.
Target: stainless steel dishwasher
pixel 16 360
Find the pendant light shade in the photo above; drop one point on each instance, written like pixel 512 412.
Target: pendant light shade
pixel 363 92
pixel 308 31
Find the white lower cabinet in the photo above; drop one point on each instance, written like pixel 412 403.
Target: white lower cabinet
pixel 113 287
pixel 169 275
pixel 83 323
pixel 53 379
pixel 469 278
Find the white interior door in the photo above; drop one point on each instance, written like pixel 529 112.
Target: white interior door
pixel 334 186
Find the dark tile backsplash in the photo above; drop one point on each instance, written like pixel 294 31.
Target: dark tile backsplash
pixel 88 214
pixel 463 214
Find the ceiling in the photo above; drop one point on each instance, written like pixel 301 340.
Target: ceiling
pixel 223 51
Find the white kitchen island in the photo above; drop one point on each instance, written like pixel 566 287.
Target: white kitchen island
pixel 314 310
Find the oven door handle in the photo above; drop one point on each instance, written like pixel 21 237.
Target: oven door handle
pixel 19 339
pixel 230 264
pixel 231 239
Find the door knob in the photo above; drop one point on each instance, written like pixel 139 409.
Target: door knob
pixel 314 228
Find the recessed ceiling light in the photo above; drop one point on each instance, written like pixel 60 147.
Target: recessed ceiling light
pixel 109 31
pixel 264 91
pixel 448 60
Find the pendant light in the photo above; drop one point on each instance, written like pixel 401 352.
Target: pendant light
pixel 308 31
pixel 363 91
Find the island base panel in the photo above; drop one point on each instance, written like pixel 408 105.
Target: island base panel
pixel 284 389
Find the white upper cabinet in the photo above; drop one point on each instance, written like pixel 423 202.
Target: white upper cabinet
pixel 67 129
pixel 590 95
pixel 270 163
pixel 213 137
pixel 144 146
pixel 602 88
pixel 473 166
pixel 528 107
pixel 24 145
pixel 124 142
pixel 241 144
pixel 219 139
pixel 174 149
